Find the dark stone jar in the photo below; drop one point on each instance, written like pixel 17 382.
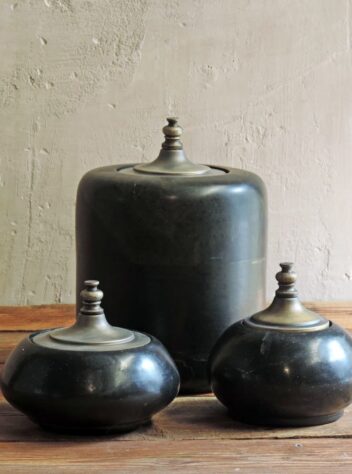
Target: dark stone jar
pixel 179 248
pixel 284 366
pixel 90 377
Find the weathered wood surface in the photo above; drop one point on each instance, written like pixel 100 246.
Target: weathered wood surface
pixel 188 456
pixel 194 434
pixel 201 418
pixel 30 318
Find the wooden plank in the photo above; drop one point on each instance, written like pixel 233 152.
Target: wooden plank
pixel 338 311
pixel 193 434
pixel 31 318
pixel 10 338
pixel 305 456
pixel 207 418
pixel 15 319
pixel 202 418
pixel 8 341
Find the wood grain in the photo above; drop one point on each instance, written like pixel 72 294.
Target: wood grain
pixel 194 434
pixel 186 418
pixel 28 318
pixel 31 318
pixel 8 341
pixel 188 456
pixel 16 321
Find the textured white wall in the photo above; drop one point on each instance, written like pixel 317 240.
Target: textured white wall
pixel 264 85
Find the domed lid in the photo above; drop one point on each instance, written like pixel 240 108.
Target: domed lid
pixel 91 331
pixel 172 159
pixel 286 312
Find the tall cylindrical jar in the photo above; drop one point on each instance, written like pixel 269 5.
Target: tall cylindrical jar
pixel 180 249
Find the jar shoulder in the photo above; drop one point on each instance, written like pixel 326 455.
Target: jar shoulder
pixel 112 175
pixel 31 365
pixel 241 345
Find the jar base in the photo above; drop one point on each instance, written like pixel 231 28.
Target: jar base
pixel 288 422
pixel 91 430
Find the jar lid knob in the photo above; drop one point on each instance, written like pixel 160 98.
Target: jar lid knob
pixel 286 313
pixel 172 132
pixel 172 160
pixel 286 279
pixel 91 326
pixel 91 298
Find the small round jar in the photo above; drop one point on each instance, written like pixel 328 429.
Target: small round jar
pixel 91 377
pixel 284 366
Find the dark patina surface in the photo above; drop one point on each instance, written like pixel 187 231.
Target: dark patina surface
pixel 89 391
pixel 90 377
pixel 272 378
pixel 181 257
pixel 285 365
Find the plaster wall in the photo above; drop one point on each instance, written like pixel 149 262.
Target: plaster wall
pixel 264 85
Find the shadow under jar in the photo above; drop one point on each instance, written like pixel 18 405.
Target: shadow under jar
pixel 284 366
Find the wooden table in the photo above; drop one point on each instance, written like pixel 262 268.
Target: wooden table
pixel 194 434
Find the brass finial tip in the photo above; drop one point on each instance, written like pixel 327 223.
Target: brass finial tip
pixel 91 283
pixel 172 120
pixel 91 296
pixel 286 279
pixel 286 266
pixel 172 132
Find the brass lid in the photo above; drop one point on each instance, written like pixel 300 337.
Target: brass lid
pixel 91 331
pixel 172 159
pixel 286 312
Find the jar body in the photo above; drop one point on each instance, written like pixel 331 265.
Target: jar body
pixel 181 258
pixel 87 391
pixel 285 379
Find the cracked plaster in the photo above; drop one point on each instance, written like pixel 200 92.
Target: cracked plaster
pixel 261 85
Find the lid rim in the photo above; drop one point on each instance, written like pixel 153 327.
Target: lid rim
pixel 91 328
pixel 42 339
pixel 289 328
pixel 286 313
pixel 172 160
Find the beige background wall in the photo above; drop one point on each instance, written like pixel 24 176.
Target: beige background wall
pixel 263 85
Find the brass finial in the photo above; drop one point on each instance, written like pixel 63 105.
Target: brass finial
pixel 172 133
pixel 91 298
pixel 172 160
pixel 286 312
pixel 286 279
pixel 91 326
